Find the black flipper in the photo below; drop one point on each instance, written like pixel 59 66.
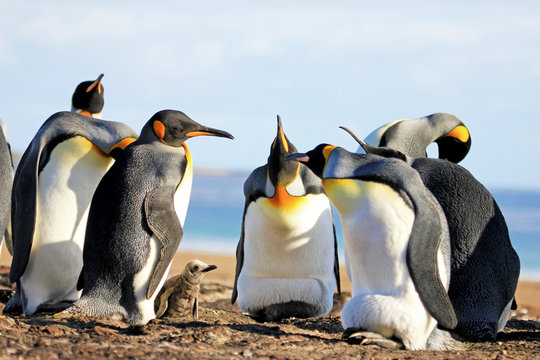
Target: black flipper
pixel 195 310
pixel 163 221
pixel 239 256
pixel 336 260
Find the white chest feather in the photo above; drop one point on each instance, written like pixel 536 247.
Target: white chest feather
pixel 376 224
pixel 65 189
pixel 289 240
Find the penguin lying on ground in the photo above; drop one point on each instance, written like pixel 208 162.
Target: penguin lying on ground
pixel 286 259
pixel 178 299
pixel 53 186
pixel 397 249
pixel 88 98
pixel 136 219
pixel 413 136
pixel 6 180
pixel 485 266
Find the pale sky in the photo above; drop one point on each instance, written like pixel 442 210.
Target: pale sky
pixel 234 65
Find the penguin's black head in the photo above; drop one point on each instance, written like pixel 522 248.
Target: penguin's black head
pixel 281 171
pixel 455 145
pixel 88 97
pixel 314 159
pixel 173 127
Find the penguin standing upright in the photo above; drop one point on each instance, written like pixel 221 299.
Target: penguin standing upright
pixel 286 259
pixel 52 189
pixel 412 136
pixel 136 219
pixel 397 251
pixel 6 180
pixel 88 98
pixel 485 266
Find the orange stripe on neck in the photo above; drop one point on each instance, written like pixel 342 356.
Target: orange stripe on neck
pixel 282 198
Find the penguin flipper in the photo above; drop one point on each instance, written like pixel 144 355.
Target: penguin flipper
pixel 336 260
pixel 422 261
pixel 163 298
pixel 195 310
pixel 164 223
pixel 239 257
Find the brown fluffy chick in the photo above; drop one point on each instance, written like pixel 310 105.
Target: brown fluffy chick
pixel 178 298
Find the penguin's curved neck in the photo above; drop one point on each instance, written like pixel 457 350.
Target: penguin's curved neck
pixel 190 281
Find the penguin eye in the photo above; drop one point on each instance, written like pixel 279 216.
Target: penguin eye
pixel 196 268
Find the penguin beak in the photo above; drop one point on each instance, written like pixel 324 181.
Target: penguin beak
pixel 281 140
pixel 298 157
pixel 209 268
pixel 206 131
pixel 95 83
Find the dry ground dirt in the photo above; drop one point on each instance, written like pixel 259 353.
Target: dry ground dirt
pixel 223 332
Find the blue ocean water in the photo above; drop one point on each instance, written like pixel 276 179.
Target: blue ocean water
pixel 214 219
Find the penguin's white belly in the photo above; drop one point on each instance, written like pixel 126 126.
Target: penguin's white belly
pixel 141 280
pixel 65 189
pixel 288 254
pixel 377 225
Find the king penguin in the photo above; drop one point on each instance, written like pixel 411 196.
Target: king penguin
pixel 485 267
pixel 88 98
pixel 52 189
pixel 413 136
pixel 397 249
pixel 6 180
pixel 286 259
pixel 136 220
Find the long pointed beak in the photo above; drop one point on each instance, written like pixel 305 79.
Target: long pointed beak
pixel 206 131
pixel 95 83
pixel 367 148
pixel 209 268
pixel 298 157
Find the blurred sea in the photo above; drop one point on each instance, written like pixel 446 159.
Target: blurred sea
pixel 214 219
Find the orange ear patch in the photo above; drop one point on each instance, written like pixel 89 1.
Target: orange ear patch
pixel 459 132
pixel 159 129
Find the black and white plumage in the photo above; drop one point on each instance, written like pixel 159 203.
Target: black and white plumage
pixel 396 245
pixel 52 189
pixel 88 98
pixel 136 219
pixel 286 259
pixel 485 267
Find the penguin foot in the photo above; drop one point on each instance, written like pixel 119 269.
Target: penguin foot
pixel 54 308
pixel 362 337
pixel 277 312
pixel 14 305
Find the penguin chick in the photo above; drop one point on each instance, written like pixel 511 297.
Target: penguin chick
pixel 88 98
pixel 179 296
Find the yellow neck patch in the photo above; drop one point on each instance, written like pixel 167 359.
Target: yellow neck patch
pixel 459 132
pixel 122 144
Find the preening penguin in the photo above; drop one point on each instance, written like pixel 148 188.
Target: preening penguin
pixel 396 245
pixel 53 186
pixel 413 136
pixel 88 98
pixel 6 180
pixel 136 219
pixel 286 259
pixel 485 266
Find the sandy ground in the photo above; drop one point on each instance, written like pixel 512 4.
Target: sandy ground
pixel 223 332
